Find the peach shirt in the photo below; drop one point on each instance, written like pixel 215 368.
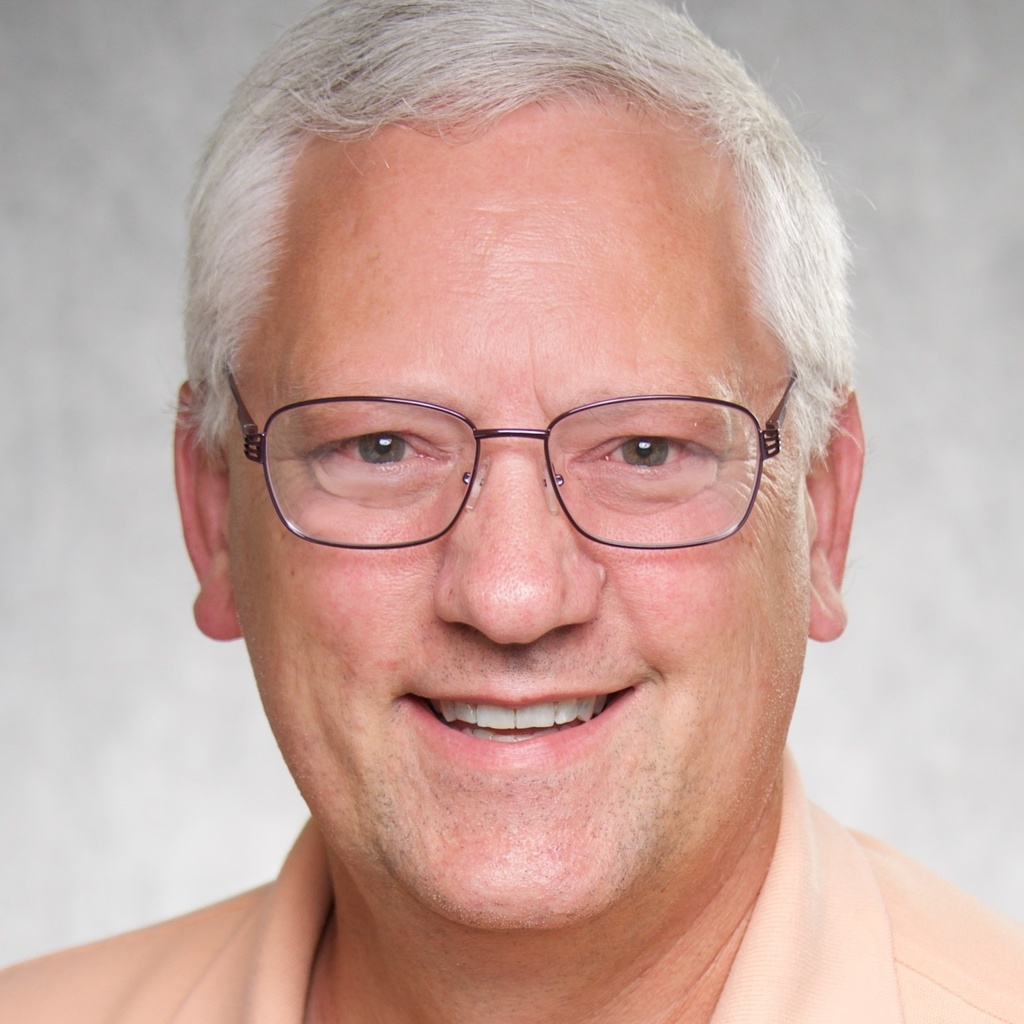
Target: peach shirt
pixel 845 930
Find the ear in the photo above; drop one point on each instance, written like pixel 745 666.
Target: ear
pixel 202 484
pixel 832 486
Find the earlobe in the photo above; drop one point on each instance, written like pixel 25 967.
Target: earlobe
pixel 202 485
pixel 832 487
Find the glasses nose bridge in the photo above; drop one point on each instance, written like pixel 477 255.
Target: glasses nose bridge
pixel 501 433
pixel 538 434
pixel 535 433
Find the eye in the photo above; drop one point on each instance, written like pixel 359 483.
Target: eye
pixel 645 451
pixel 381 448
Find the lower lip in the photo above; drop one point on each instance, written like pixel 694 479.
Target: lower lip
pixel 540 754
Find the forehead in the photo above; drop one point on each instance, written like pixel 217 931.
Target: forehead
pixel 597 250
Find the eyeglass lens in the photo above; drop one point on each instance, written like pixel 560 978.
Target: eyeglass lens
pixel 651 472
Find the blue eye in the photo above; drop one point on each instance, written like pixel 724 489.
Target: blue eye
pixel 645 451
pixel 381 448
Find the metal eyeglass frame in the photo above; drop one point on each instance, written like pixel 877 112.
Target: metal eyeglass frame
pixel 253 445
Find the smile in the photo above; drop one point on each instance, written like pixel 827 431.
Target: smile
pixel 513 725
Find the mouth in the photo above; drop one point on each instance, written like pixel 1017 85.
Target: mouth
pixel 513 725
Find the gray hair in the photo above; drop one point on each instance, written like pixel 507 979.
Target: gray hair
pixel 353 67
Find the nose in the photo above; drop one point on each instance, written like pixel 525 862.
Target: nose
pixel 514 568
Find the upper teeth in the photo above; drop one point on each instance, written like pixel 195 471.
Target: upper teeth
pixel 533 716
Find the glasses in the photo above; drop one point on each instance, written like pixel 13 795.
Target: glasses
pixel 647 471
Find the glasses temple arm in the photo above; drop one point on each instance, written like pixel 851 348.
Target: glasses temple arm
pixel 771 443
pixel 252 438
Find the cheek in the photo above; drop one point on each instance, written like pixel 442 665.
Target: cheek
pixel 331 635
pixel 312 608
pixel 725 625
pixel 322 625
pixel 696 605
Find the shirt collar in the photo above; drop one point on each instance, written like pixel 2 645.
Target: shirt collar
pixel 819 945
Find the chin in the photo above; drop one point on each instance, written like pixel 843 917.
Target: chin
pixel 505 906
pixel 512 880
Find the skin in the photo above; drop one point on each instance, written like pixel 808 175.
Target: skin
pixel 604 873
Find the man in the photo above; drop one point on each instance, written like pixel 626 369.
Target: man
pixel 520 446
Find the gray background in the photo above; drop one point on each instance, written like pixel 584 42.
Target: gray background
pixel 137 777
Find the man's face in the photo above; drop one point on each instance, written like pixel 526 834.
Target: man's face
pixel 567 255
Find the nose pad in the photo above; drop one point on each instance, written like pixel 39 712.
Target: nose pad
pixel 549 493
pixel 481 476
pixel 478 483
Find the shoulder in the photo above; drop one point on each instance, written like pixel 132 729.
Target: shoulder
pixel 956 960
pixel 140 976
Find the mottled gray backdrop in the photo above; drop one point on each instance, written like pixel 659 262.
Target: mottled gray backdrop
pixel 137 777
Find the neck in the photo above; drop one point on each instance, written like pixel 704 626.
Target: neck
pixel 662 955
